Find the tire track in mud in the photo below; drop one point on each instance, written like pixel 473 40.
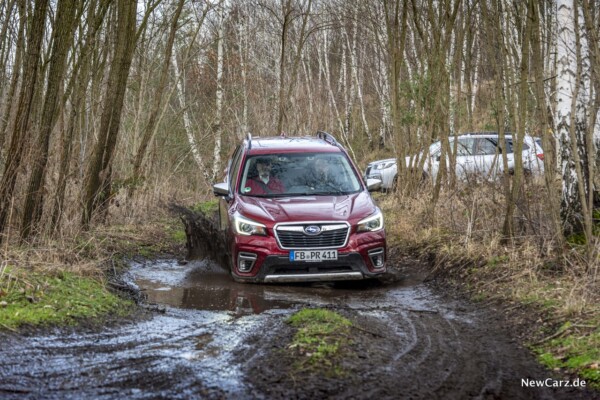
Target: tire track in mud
pixel 410 343
pixel 178 355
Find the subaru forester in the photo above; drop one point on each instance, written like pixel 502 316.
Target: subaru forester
pixel 295 209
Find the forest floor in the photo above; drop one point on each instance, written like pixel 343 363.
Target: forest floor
pixel 203 335
pixel 417 333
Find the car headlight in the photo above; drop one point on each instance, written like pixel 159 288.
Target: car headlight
pixel 247 227
pixel 371 224
pixel 384 165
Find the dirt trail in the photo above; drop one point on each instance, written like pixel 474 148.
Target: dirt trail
pixel 209 337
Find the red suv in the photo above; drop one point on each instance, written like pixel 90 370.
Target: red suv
pixel 297 210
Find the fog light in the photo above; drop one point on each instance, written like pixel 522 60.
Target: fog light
pixel 377 257
pixel 246 261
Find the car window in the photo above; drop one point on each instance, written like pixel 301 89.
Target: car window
pixel 484 146
pixel 465 147
pixel 234 168
pixel 509 144
pixel 293 174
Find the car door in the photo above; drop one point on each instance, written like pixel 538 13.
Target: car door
pixel 510 156
pixel 465 162
pixel 487 157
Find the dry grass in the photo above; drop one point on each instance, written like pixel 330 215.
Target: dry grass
pixel 139 226
pixel 462 236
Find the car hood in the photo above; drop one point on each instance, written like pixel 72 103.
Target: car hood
pixel 351 208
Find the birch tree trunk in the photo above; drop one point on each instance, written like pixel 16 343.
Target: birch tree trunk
pixel 218 125
pixel 537 63
pixel 187 121
pixel 573 85
pixel 242 36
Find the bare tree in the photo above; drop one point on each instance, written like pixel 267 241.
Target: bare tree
pixel 98 183
pixel 62 39
pixel 158 98
pixel 21 131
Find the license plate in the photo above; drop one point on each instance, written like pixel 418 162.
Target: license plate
pixel 313 255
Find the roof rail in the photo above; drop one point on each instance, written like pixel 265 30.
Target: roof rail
pixel 328 137
pixel 249 139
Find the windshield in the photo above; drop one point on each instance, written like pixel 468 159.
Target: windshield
pixel 302 174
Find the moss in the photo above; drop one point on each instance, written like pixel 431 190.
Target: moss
pixel 207 207
pixel 36 299
pixel 178 235
pixel 575 351
pixel 320 337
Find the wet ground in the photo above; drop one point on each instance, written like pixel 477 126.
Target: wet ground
pixel 208 337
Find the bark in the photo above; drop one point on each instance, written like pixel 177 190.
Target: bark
pixel 6 11
pixel 218 125
pixel 571 123
pixel 21 133
pixel 516 190
pixel 543 117
pixel 287 18
pixel 78 83
pixel 98 181
pixel 243 54
pixel 16 74
pixel 61 43
pixel 396 17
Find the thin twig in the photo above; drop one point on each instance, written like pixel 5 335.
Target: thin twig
pixel 8 327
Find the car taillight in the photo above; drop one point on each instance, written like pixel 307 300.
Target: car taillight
pixel 540 156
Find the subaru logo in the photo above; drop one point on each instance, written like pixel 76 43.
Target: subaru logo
pixel 312 230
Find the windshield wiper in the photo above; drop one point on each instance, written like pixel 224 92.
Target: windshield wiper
pixel 331 193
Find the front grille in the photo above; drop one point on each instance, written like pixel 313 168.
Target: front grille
pixel 293 237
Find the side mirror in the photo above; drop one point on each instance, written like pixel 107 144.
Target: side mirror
pixel 373 184
pixel 221 189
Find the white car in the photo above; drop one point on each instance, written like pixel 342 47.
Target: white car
pixel 476 154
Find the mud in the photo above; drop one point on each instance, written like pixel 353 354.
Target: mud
pixel 210 337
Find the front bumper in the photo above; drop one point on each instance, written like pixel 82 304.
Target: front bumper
pixel 277 268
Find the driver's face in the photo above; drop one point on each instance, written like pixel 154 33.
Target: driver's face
pixel 321 166
pixel 263 168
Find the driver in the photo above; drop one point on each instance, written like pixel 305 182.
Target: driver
pixel 264 182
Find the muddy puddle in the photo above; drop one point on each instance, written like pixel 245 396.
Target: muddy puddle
pixel 203 285
pixel 209 337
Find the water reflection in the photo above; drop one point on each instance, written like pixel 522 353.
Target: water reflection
pixel 205 286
